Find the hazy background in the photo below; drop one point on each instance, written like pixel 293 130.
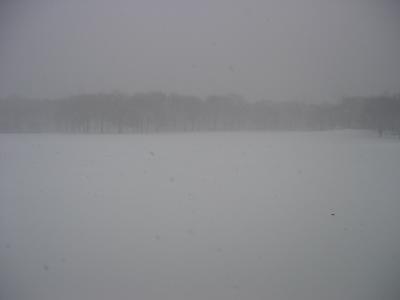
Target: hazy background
pixel 277 50
pixel 260 201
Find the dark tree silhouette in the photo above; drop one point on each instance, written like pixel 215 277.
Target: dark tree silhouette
pixel 157 112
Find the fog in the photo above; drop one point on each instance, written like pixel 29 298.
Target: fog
pixel 289 50
pixel 190 150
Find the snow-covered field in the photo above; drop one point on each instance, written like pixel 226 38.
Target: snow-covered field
pixel 304 216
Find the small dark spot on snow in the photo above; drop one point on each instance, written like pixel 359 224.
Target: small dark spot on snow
pixel 299 171
pixel 333 214
pixel 219 250
pixel 157 237
pixel 8 246
pixel 236 287
pixel 171 179
pixel 152 153
pixel 45 267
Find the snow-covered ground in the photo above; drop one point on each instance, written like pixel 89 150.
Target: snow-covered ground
pixel 304 216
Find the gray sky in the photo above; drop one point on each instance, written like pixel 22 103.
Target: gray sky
pixel 317 50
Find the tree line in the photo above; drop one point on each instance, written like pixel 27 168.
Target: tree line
pixel 154 112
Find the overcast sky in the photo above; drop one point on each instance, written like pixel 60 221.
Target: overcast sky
pixel 317 50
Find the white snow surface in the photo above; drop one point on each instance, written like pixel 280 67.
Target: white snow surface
pixel 285 215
